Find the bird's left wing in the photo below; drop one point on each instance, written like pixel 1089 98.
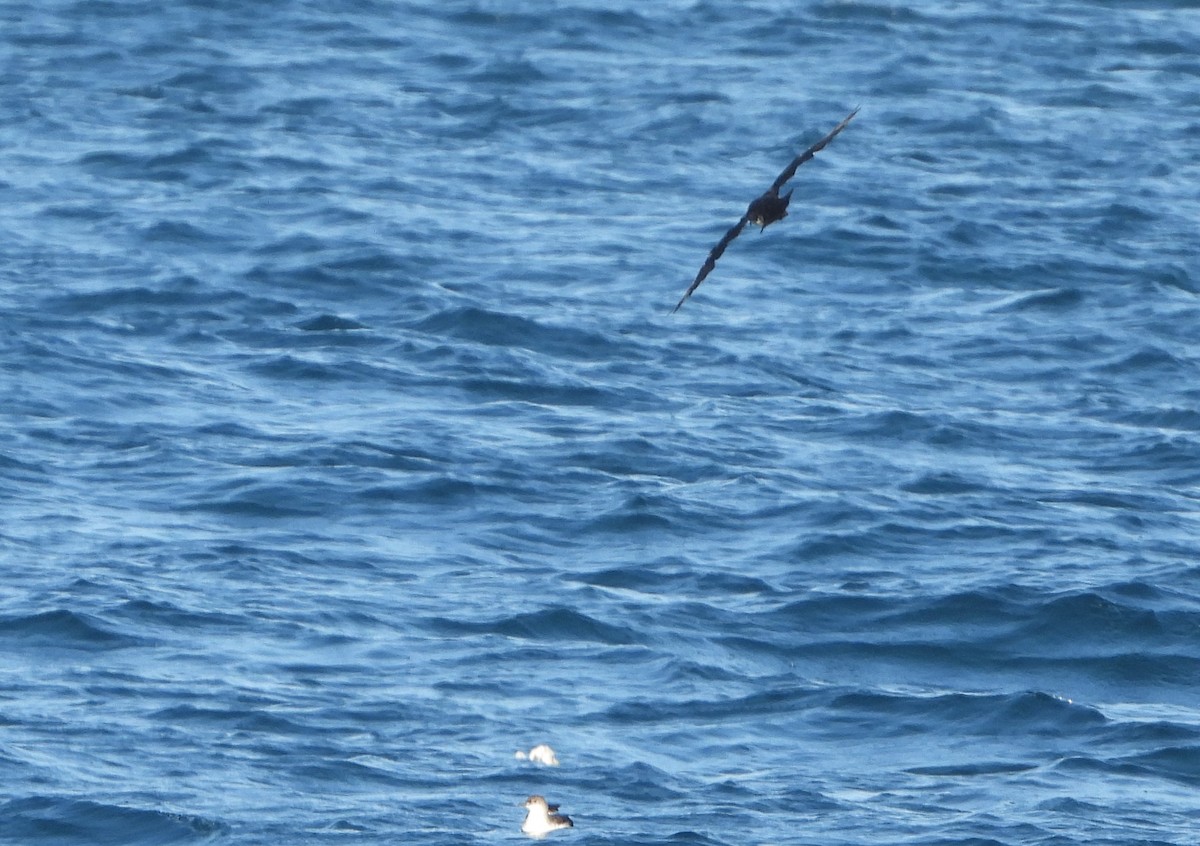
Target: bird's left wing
pixel 711 261
pixel 790 170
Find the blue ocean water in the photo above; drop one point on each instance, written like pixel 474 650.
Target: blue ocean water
pixel 349 444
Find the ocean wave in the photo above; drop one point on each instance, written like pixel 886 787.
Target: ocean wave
pixel 63 629
pixel 38 819
pixel 549 625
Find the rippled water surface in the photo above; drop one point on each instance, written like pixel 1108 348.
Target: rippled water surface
pixel 349 444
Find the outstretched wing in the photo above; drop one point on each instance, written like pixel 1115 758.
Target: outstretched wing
pixel 711 261
pixel 790 170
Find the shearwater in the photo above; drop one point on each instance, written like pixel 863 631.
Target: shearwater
pixel 542 817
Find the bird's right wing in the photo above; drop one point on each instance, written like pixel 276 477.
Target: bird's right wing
pixel 713 255
pixel 790 170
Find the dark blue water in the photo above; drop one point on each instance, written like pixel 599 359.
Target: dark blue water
pixel 349 444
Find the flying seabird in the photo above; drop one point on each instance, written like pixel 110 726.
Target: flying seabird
pixel 543 817
pixel 765 210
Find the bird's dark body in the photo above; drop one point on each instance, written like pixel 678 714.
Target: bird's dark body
pixel 764 210
pixel 768 209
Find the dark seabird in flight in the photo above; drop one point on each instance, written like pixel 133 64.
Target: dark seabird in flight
pixel 765 210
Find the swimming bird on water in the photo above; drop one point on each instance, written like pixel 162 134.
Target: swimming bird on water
pixel 543 817
pixel 764 210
